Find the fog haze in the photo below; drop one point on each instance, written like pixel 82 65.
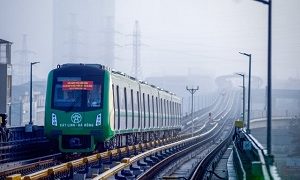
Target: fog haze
pixel 177 37
pixel 176 43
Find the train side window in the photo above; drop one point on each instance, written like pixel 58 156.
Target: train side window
pixel 153 113
pixel 161 123
pixel 180 112
pixel 114 104
pixel 168 113
pixel 118 107
pixel 160 112
pixel 132 108
pixel 178 118
pixel 149 111
pixel 165 113
pixel 177 112
pixel 122 108
pixel 173 114
pixel 156 112
pixel 164 109
pixel 125 104
pixel 138 109
pixel 144 110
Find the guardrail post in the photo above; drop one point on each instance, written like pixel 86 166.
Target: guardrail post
pixel 51 174
pixel 119 154
pixel 110 159
pixel 14 177
pixel 81 174
pixel 71 170
pixel 127 151
pixel 97 168
pixel 148 145
pixel 100 163
pixel 135 151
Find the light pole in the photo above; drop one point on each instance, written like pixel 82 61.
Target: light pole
pixel 30 118
pixel 243 75
pixel 192 91
pixel 249 90
pixel 269 86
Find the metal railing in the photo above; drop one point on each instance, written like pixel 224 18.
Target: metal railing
pixel 252 162
pixel 238 164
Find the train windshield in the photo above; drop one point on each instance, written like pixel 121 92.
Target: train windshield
pixel 77 93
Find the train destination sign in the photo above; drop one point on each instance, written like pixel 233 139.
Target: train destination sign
pixel 77 85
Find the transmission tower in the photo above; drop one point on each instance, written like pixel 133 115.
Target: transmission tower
pixel 192 91
pixel 136 61
pixel 21 67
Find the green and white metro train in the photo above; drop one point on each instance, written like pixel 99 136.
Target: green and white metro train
pixel 90 107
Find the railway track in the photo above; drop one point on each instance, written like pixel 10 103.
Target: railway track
pixel 100 161
pixel 29 166
pixel 215 111
pixel 196 161
pixel 134 161
pixel 149 164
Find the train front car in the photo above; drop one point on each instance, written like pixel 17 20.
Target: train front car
pixel 78 107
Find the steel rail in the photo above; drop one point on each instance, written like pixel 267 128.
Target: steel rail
pixel 113 154
pixel 201 168
pixel 129 161
pixel 150 173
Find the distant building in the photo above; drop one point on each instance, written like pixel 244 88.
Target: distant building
pixel 38 109
pixel 5 78
pixel 21 105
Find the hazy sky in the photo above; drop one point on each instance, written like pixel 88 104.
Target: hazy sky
pixel 178 36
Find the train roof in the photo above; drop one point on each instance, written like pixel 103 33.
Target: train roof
pixel 100 66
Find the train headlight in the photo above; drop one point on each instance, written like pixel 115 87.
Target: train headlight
pixel 53 119
pixel 98 120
